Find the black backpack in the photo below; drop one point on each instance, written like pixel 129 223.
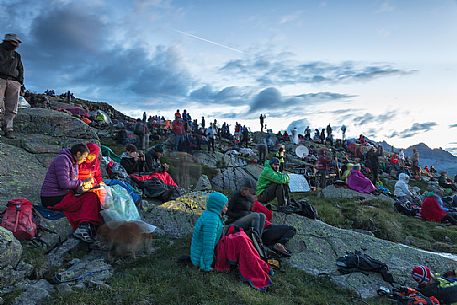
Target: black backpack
pixel 406 208
pixel 301 207
pixel 361 262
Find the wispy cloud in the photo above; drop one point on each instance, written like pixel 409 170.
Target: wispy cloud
pixel 295 16
pixel 416 128
pixel 386 6
pixel 370 118
pixel 208 41
pixel 270 70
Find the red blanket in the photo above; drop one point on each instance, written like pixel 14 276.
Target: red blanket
pixel 431 210
pixel 164 176
pixel 237 249
pixel 79 209
pixel 260 208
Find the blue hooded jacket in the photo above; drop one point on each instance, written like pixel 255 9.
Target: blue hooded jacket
pixel 207 232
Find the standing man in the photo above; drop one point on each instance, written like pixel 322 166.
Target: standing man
pixel 11 80
pixel 262 119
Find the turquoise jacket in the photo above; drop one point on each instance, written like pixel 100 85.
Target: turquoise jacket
pixel 207 232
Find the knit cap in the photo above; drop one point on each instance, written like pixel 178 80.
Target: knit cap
pixel 274 160
pixel 421 274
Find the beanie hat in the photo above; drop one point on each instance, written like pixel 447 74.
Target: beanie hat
pixel 158 148
pixel 421 274
pixel 274 160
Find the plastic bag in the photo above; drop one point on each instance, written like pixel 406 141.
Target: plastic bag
pixel 120 206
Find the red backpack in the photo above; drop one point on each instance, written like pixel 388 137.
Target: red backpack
pixel 18 218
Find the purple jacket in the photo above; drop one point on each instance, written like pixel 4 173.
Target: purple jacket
pixel 62 175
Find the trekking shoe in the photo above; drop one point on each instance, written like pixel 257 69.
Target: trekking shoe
pixel 278 247
pixel 9 134
pixel 83 233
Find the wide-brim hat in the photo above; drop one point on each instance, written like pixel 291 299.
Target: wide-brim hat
pixel 12 37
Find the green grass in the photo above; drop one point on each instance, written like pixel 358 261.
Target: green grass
pixel 158 279
pixel 384 222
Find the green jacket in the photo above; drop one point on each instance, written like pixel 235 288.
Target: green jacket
pixel 269 176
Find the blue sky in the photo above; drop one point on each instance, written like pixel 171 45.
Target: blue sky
pixel 387 69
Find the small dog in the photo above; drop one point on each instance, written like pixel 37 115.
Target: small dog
pixel 123 239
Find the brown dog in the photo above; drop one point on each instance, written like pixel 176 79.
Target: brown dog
pixel 123 239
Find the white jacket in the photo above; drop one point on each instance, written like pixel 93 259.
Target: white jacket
pixel 401 186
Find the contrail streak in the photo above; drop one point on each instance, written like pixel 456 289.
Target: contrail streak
pixel 208 41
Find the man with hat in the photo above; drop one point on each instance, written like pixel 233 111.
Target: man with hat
pixel 11 80
pixel 273 184
pixel 442 286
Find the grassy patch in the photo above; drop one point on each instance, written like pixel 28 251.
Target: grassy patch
pixel 380 218
pixel 159 280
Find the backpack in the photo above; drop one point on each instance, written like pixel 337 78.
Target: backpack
pixel 301 207
pixel 361 262
pixel 116 171
pixel 18 218
pixel 406 208
pixel 408 296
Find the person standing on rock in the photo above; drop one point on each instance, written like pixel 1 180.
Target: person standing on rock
pixel 262 120
pixel 273 184
pixel 210 134
pixel 11 80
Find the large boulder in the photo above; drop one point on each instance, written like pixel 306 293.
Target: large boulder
pixel 21 174
pixel 52 123
pixel 231 178
pixel 177 217
pixel 333 192
pixel 317 245
pixel 10 249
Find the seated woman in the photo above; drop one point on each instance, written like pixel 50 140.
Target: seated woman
pixel 89 170
pixel 63 191
pixel 401 188
pixel 358 182
pixel 432 210
pixel 208 231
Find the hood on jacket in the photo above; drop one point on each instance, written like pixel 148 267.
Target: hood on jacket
pixel 216 202
pixel 403 177
pixel 94 149
pixel 67 152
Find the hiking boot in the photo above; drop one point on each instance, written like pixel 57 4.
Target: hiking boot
pixel 84 233
pixel 9 134
pixel 278 247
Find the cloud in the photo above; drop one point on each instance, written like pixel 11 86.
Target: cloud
pixel 368 118
pixel 416 128
pixel 452 125
pixel 292 17
pixel 77 49
pixel 271 99
pixel 301 125
pixel 232 95
pixel 281 70
pixel 385 7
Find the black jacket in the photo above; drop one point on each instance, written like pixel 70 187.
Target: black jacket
pixel 132 166
pixel 238 207
pixel 10 64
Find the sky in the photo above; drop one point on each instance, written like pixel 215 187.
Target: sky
pixel 383 68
